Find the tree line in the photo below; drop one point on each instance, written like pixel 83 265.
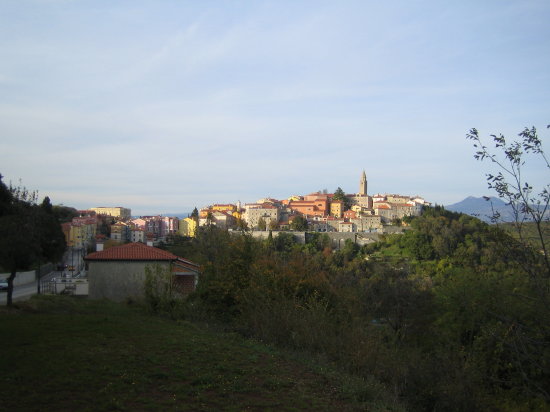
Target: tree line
pixel 30 232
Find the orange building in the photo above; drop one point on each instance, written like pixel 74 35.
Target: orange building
pixel 350 214
pixel 310 208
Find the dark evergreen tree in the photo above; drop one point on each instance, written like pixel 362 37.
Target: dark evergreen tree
pixel 340 196
pixel 64 214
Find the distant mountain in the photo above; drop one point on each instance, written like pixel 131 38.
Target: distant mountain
pixel 482 208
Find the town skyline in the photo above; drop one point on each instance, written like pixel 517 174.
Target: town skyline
pixel 362 186
pixel 186 210
pixel 351 213
pixel 171 105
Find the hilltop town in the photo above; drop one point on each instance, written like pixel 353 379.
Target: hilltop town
pixel 316 212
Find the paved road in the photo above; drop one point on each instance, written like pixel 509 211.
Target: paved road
pixel 24 292
pixel 21 292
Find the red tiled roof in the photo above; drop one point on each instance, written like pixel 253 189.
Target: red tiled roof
pixel 132 251
pixel 186 264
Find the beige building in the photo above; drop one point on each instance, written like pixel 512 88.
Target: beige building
pixel 116 212
pixel 224 220
pixel 363 201
pixel 78 234
pixel 137 235
pixel 345 227
pixel 254 212
pixel 367 223
pixel 397 199
pixel 389 211
pixel 120 232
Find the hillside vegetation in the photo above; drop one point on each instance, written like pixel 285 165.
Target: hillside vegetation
pixel 451 315
pixel 529 232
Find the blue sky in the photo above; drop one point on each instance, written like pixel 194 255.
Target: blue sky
pixel 161 106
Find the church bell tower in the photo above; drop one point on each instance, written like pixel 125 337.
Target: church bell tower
pixel 363 184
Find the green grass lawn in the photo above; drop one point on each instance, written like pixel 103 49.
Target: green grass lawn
pixel 66 354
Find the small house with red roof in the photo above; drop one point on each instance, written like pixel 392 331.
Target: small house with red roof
pixel 119 272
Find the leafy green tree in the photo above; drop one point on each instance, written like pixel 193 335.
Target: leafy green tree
pixel 51 239
pixel 6 198
pixel 64 214
pixel 226 262
pixel 261 224
pixel 29 233
pixel 340 195
pixel 394 297
pixel 104 227
pixel 523 335
pixel 273 224
pixel 46 205
pixel 419 244
pixel 284 242
pixel 318 241
pixel 242 225
pixel 396 221
pixel 529 205
pixel 160 294
pixel 209 219
pixel 350 250
pixel 195 214
pixel 299 223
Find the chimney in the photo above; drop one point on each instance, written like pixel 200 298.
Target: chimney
pixel 99 246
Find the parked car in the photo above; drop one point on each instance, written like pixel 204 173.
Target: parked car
pixel 3 284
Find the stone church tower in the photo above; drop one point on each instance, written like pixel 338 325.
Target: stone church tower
pixel 363 184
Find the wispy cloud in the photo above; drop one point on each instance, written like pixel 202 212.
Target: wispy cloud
pixel 177 104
